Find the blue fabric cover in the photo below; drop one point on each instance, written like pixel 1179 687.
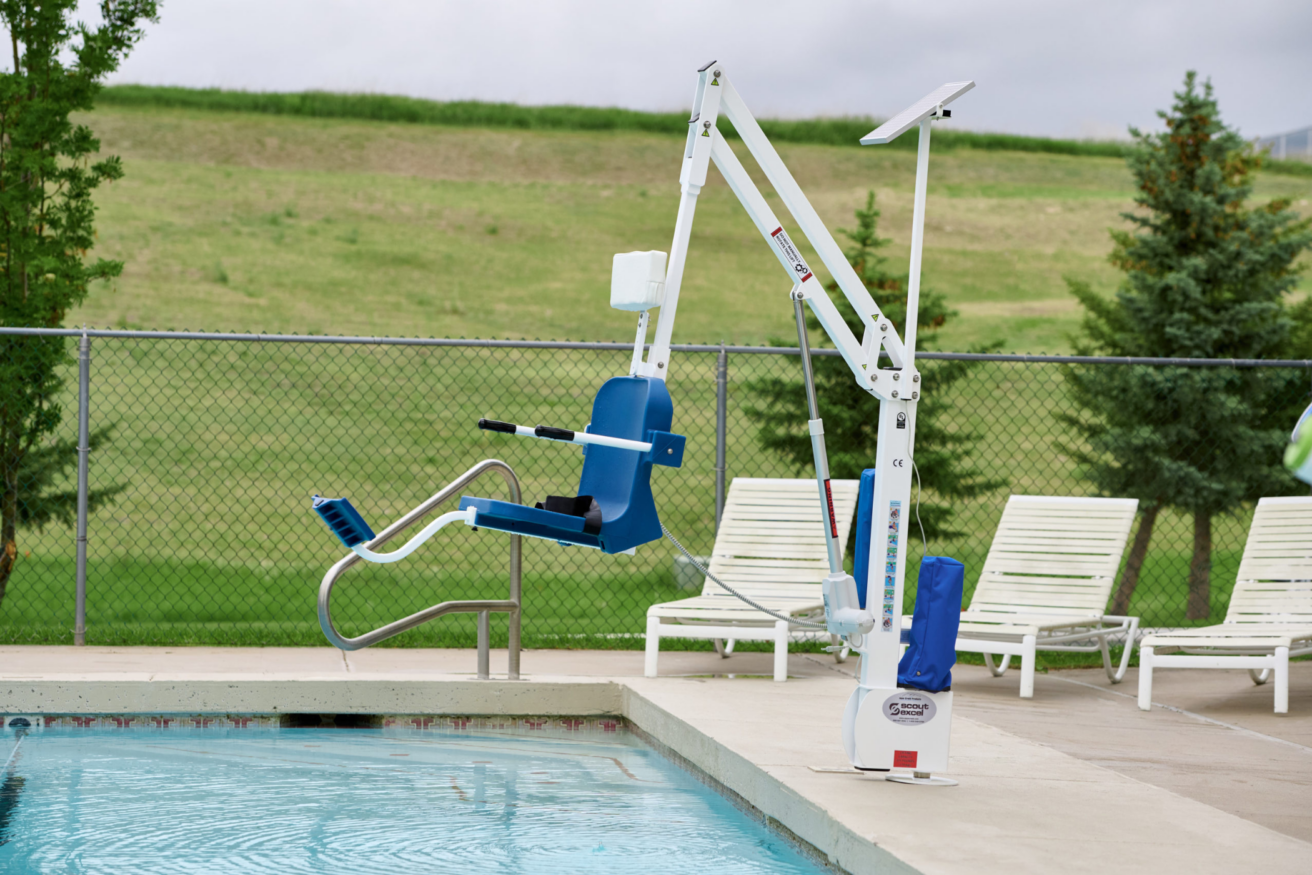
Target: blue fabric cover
pixel 865 498
pixel 636 408
pixel 927 664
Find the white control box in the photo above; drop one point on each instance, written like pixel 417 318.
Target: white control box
pixel 637 281
pixel 899 729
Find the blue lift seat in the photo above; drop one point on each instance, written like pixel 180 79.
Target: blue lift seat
pixel 634 408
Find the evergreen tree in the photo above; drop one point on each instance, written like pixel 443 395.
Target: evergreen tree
pixel 47 218
pixel 851 415
pixel 1205 277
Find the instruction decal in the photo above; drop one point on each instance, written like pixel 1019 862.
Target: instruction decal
pixel 790 254
pixel 890 564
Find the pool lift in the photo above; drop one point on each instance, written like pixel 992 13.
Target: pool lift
pixel 898 719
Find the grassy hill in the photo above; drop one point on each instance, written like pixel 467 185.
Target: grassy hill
pixel 264 222
pixel 270 221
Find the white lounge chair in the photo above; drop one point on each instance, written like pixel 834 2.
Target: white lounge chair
pixel 771 548
pixel 1046 582
pixel 1270 614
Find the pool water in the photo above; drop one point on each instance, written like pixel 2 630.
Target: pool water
pixel 360 801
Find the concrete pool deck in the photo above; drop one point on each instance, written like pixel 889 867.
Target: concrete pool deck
pixel 1075 780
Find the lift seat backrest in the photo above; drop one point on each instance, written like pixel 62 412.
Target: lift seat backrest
pixel 1274 584
pixel 620 480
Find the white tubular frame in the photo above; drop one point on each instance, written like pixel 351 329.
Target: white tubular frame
pixel 583 439
pixel 462 516
pixel 715 94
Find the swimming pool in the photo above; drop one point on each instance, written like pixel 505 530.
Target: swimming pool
pixel 415 795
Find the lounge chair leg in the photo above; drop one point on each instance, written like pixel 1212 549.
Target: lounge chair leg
pixel 1260 677
pixel 1027 660
pixel 728 647
pixel 997 672
pixel 1131 634
pixel 653 647
pixel 1282 680
pixel 1145 678
pixel 718 644
pixel 780 651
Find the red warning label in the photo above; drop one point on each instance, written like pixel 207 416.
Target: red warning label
pixel 904 759
pixel 791 256
pixel 833 520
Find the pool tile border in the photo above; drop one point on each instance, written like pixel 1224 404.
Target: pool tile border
pixel 519 725
pixel 435 723
pixel 163 721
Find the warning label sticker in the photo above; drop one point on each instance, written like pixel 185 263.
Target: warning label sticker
pixel 791 255
pixel 890 563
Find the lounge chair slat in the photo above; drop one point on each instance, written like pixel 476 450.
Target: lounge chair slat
pixel 1270 612
pixel 1048 573
pixel 771 548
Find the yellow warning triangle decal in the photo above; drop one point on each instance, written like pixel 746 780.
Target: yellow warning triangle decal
pixel 706 132
pixel 715 81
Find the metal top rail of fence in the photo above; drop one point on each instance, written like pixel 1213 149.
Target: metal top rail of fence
pixel 1025 358
pixel 196 454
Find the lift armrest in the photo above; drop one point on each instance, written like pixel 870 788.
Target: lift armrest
pixel 666 449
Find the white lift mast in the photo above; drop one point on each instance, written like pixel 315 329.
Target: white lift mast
pixel 875 630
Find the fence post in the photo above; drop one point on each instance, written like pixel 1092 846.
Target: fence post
pixel 83 454
pixel 721 415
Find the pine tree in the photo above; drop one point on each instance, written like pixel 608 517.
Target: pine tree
pixel 1205 277
pixel 851 415
pixel 47 218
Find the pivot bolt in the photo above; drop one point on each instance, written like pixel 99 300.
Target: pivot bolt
pixel 660 364
pixel 883 327
pixel 897 376
pixel 915 396
pixel 706 124
pixel 915 378
pixel 894 393
pixel 717 74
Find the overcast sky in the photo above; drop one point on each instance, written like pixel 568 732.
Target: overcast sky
pixel 1077 69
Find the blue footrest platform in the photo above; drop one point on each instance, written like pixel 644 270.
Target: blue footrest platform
pixel 532 522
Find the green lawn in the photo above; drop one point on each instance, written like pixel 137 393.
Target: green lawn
pixel 232 221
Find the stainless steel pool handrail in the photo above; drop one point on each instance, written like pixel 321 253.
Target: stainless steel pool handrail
pixel 483 607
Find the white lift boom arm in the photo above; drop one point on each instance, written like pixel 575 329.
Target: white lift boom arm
pixel 875 629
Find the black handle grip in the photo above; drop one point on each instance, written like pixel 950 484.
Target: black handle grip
pixel 556 434
pixel 496 425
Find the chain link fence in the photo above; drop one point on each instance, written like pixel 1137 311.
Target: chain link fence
pixel 206 449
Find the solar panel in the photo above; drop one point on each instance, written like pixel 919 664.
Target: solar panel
pixel 916 113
